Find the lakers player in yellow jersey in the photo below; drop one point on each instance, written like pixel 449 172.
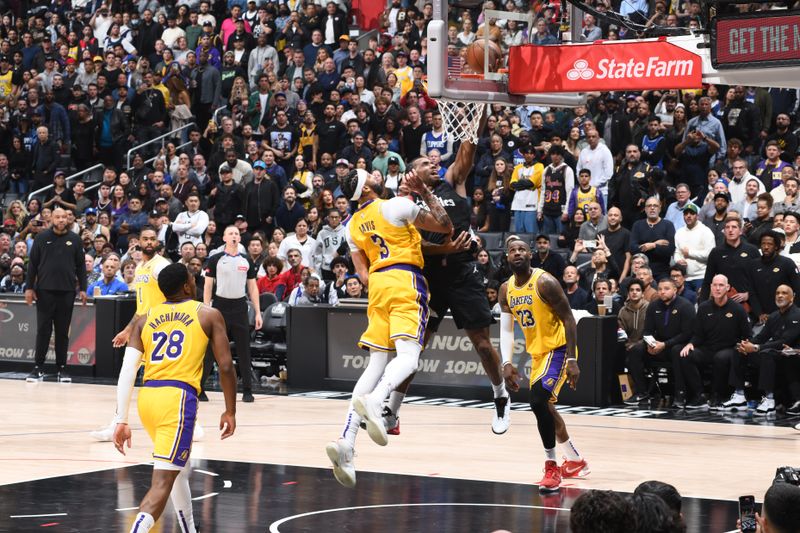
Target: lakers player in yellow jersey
pixel 387 254
pixel 145 287
pixel 535 300
pixel 172 337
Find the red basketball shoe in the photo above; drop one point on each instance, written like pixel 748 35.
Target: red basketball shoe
pixel 551 482
pixel 575 469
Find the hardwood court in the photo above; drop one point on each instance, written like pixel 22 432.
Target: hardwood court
pixel 45 434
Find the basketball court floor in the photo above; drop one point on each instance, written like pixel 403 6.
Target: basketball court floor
pixel 446 472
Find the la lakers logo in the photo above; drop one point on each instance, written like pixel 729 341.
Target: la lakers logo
pixel 184 455
pixel 550 382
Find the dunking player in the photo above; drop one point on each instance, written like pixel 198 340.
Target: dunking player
pixel 173 336
pixel 456 283
pixel 537 302
pixel 386 250
pixel 145 285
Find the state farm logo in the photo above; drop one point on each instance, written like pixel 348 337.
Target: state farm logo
pixel 580 71
pixel 613 69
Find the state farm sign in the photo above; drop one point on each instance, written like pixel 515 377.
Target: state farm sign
pixel 604 66
pixel 749 41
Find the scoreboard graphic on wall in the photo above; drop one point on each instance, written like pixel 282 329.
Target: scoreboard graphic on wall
pixel 756 40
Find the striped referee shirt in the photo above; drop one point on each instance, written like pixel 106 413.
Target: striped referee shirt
pixel 231 273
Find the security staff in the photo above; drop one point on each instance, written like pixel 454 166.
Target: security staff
pixel 235 276
pixel 55 270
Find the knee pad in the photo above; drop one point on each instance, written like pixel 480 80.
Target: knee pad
pixel 540 398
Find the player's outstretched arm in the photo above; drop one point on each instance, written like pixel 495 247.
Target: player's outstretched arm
pixel 214 324
pixel 459 170
pixel 127 377
pixel 552 293
pixel 510 374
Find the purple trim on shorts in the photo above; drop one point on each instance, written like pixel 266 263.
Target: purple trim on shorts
pixel 408 268
pixel 422 300
pixel 189 416
pixel 170 383
pixel 554 370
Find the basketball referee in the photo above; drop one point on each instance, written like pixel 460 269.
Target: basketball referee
pixel 235 276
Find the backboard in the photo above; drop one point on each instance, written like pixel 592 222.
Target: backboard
pixel 447 77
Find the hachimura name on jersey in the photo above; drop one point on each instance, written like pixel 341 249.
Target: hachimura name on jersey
pixel 174 347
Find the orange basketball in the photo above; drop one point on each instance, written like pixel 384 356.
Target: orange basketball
pixel 475 55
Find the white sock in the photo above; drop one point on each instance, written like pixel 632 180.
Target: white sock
pixel 143 523
pixel 395 401
pixel 365 384
pixel 398 369
pixel 550 453
pixel 181 498
pixel 500 390
pixel 570 450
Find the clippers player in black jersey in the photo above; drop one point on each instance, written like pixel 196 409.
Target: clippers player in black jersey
pixel 455 283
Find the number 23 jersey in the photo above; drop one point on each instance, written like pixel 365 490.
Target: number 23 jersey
pixel 174 343
pixel 384 230
pixel 543 329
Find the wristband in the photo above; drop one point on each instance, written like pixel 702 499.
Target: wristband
pixel 572 359
pixel 507 363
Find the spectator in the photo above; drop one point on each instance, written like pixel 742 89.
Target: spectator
pixel 291 277
pixel 628 187
pixel 109 284
pixel 693 244
pixel 645 275
pixel 313 291
pixel 289 211
pixel 618 240
pixel 709 127
pixel 713 343
pixel 598 159
pixel 601 288
pixel 654 237
pixel 601 510
pixel 677 273
pixel 190 225
pixel 675 209
pixel 328 246
pixel 595 223
pixel 45 159
pixel 354 288
pixel 781 329
pixel 545 259
pixel 733 259
pixel 741 120
pixel 526 182
pixel 227 198
pixel 14 281
pixel 754 228
pixel 769 170
pixel 768 272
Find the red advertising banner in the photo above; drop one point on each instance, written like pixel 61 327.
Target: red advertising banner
pixel 756 40
pixel 603 66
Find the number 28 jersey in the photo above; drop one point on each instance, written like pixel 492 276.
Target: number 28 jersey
pixel 384 231
pixel 543 329
pixel 174 343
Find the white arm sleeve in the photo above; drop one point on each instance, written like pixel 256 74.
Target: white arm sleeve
pixel 127 377
pixel 506 337
pixel 400 211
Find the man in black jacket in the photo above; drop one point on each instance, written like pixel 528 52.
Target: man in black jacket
pixel 627 188
pixel 149 111
pixel 616 124
pixel 261 199
pixel 45 159
pixel 769 272
pixel 670 322
pixel 733 259
pixel 333 24
pixel 227 198
pixel 782 329
pixel 544 257
pixel 111 133
pixel 55 269
pixel 722 323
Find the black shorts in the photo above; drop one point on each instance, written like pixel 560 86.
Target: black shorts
pixel 459 288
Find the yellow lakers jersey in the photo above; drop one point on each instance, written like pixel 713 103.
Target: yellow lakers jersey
pixel 145 283
pixel 384 243
pixel 583 199
pixel 543 329
pixel 5 83
pixel 174 343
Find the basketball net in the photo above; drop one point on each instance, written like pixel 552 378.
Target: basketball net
pixel 461 119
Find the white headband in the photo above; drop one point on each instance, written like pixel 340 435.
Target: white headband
pixel 362 180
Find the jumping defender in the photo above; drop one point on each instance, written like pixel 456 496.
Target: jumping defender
pixel 537 302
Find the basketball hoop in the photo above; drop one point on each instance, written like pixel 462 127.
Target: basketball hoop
pixel 461 119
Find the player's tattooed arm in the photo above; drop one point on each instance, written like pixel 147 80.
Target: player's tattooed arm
pixel 551 292
pixel 435 219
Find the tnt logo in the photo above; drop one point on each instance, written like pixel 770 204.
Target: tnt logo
pixel 580 71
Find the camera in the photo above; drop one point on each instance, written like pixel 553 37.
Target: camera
pixel 787 474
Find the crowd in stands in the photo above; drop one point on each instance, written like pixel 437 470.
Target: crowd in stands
pixel 645 197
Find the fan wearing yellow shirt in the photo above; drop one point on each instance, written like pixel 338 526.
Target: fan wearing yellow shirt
pixel 526 182
pixel 386 248
pixel 173 337
pixel 535 300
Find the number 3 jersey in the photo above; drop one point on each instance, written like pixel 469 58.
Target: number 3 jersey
pixel 174 343
pixel 384 231
pixel 543 329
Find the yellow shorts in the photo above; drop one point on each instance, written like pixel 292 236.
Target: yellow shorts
pixel 397 309
pixel 551 370
pixel 168 410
